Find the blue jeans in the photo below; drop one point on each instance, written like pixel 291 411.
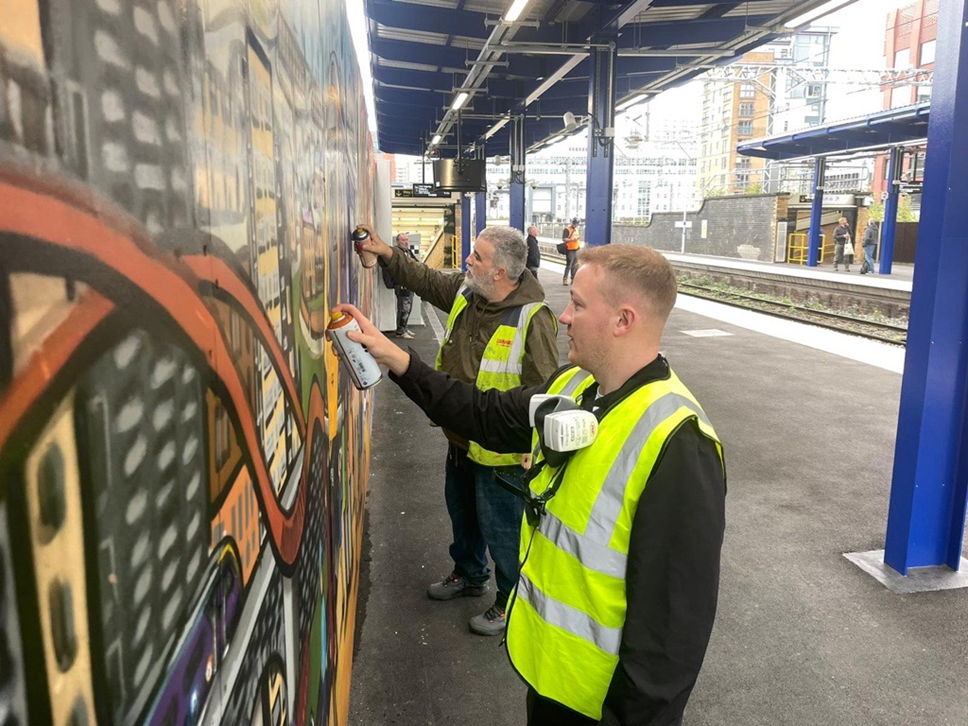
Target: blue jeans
pixel 869 255
pixel 484 516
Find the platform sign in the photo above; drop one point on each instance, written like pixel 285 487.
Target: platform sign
pixel 428 190
pixel 402 193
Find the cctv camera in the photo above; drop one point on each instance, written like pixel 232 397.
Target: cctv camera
pixel 569 120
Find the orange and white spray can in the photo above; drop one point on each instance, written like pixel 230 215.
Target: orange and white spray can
pixel 363 369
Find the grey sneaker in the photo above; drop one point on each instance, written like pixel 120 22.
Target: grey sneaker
pixel 455 585
pixel 491 622
pixel 406 335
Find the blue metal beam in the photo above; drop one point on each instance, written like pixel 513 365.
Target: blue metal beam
pixel 517 151
pixel 601 149
pixel 816 211
pixel 889 228
pixel 480 212
pixel 677 32
pixel 465 230
pixel 929 497
pixel 431 19
pixel 424 53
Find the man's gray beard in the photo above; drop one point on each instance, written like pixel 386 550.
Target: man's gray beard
pixel 484 288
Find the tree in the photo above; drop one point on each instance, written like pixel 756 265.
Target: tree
pixel 904 211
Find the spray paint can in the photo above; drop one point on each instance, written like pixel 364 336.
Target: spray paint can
pixel 363 369
pixel 358 236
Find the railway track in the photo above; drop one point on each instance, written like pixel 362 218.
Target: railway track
pixel 841 322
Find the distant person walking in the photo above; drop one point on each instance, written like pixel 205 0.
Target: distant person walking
pixel 404 296
pixel 841 241
pixel 570 239
pixel 870 245
pixel 534 254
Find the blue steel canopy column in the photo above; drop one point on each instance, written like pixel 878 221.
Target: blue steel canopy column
pixel 480 212
pixel 601 143
pixel 929 492
pixel 517 149
pixel 814 242
pixel 465 230
pixel 889 228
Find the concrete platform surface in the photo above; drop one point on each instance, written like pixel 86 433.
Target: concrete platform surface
pixel 803 636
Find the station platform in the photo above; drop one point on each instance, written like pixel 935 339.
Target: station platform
pixel 803 637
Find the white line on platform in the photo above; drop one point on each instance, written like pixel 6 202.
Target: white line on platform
pixel 880 355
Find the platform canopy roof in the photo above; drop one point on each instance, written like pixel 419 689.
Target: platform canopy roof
pixel 880 130
pixel 426 53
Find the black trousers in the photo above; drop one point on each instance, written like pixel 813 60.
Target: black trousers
pixel 542 712
pixel 404 306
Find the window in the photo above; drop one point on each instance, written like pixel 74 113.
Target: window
pixel 814 90
pixel 747 90
pixel 927 53
pixel 744 128
pixel 902 59
pixel 746 109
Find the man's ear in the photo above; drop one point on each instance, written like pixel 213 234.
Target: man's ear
pixel 626 320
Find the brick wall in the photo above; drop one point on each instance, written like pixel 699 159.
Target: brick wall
pixel 742 227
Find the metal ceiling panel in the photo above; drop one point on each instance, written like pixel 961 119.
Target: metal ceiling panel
pixel 423 52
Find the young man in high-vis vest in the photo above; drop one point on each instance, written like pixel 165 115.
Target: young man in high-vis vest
pixel 620 551
pixel 500 335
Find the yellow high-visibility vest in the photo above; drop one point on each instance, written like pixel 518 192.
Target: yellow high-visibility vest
pixel 568 609
pixel 501 365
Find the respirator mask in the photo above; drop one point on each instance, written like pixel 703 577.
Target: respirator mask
pixel 563 428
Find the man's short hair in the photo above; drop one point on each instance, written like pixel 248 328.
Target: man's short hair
pixel 635 269
pixel 401 234
pixel 510 249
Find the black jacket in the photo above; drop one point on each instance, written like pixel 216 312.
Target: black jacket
pixel 841 235
pixel 672 581
pixel 534 254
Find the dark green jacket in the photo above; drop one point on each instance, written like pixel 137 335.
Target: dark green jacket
pixel 461 357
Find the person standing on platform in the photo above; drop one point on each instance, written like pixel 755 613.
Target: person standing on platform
pixel 870 245
pixel 616 597
pixel 404 296
pixel 500 334
pixel 841 238
pixel 572 242
pixel 534 253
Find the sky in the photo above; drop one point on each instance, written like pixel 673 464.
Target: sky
pixel 858 45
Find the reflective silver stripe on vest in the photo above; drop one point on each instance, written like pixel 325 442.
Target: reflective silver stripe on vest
pixel 592 555
pixel 500 366
pixel 524 317
pixel 608 505
pixel 573 620
pixel 576 380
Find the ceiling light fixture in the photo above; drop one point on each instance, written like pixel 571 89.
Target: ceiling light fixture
pixel 436 140
pixel 514 12
pixel 460 100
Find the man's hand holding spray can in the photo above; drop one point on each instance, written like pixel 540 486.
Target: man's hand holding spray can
pixel 363 369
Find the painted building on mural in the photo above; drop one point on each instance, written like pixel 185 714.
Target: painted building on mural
pixel 183 465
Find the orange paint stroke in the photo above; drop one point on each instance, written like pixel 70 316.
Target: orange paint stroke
pixel 31 383
pixel 213 270
pixel 128 251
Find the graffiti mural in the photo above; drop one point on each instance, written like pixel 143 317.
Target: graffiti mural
pixel 182 466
